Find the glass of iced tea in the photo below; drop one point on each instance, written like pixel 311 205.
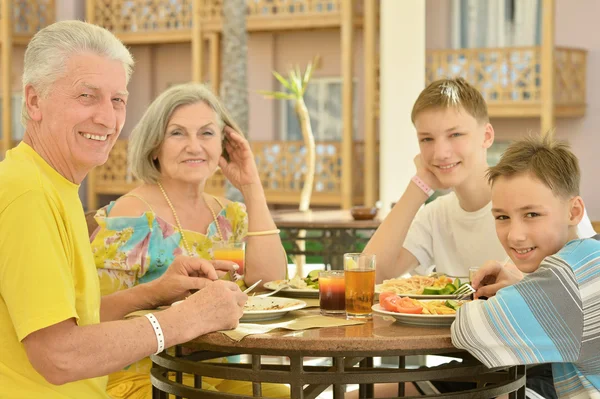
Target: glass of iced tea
pixel 233 251
pixel 332 292
pixel 360 284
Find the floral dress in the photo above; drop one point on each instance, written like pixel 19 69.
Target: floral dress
pixel 133 250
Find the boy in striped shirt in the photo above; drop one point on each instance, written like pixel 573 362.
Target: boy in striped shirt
pixel 546 308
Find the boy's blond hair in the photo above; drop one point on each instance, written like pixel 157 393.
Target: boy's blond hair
pixel 549 160
pixel 455 93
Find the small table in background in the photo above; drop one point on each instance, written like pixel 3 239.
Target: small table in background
pixel 329 234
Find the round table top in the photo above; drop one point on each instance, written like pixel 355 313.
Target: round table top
pixel 380 335
pixel 341 219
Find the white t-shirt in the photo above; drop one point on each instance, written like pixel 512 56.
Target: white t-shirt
pixel 445 235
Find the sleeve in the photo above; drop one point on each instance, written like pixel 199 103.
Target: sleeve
pixel 36 280
pixel 525 323
pixel 121 250
pixel 419 241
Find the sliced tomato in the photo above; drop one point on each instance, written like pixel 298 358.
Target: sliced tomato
pixel 389 302
pixel 400 305
pixel 384 295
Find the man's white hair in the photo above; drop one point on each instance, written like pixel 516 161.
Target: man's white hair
pixel 48 51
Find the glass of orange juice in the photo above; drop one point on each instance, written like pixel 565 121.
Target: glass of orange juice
pixel 233 251
pixel 360 285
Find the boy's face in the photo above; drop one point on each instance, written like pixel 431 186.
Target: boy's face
pixel 531 222
pixel 453 143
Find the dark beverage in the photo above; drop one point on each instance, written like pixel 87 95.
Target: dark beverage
pixel 332 289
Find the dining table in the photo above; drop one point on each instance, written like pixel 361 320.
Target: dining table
pixel 346 356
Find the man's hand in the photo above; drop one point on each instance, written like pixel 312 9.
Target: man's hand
pixel 218 306
pixel 493 276
pixel 186 274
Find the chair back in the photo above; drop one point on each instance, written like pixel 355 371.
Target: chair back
pixel 91 222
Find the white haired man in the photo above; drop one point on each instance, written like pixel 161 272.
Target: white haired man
pixel 59 337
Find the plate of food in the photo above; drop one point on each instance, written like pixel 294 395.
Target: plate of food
pixel 270 308
pixel 420 312
pixel 263 309
pixel 297 287
pixel 422 287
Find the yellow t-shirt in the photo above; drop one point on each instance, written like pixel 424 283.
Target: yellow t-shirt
pixel 47 271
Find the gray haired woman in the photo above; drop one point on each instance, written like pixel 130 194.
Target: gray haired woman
pixel 183 137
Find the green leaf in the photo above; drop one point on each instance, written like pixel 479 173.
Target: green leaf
pixel 282 80
pixel 278 95
pixel 296 82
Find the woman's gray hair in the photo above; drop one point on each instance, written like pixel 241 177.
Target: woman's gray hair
pixel 50 48
pixel 149 133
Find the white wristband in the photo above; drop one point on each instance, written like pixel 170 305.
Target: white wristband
pixel 160 338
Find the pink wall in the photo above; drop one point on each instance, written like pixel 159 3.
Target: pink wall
pixel 573 21
pixel 438 24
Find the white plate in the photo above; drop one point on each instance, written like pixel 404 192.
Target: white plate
pixel 258 309
pixel 292 292
pixel 417 296
pixel 418 319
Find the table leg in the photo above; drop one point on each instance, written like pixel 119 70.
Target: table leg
pixel 338 389
pixel 520 394
pixel 401 385
pixel 256 386
pixel 366 390
pixel 296 386
pixel 178 374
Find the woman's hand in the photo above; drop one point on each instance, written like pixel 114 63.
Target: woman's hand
pixel 186 274
pixel 241 169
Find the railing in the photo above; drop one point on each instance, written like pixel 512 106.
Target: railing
pixel 512 76
pixel 174 17
pixel 570 80
pixel 280 165
pixel 29 16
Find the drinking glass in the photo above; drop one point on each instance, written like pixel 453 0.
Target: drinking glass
pixel 360 285
pixel 233 251
pixel 332 292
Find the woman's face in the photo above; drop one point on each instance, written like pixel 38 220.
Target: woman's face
pixel 192 146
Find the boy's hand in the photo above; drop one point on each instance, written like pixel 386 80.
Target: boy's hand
pixel 492 276
pixel 427 175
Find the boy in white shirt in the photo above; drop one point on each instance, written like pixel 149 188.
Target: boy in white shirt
pixel 456 231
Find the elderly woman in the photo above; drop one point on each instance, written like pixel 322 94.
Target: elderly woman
pixel 176 147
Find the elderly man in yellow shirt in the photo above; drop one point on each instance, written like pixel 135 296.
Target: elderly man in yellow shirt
pixel 59 338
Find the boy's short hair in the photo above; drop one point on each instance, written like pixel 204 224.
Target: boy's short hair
pixel 549 160
pixel 455 93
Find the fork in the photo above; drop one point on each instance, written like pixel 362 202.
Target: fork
pixel 464 292
pixel 247 290
pixel 282 286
